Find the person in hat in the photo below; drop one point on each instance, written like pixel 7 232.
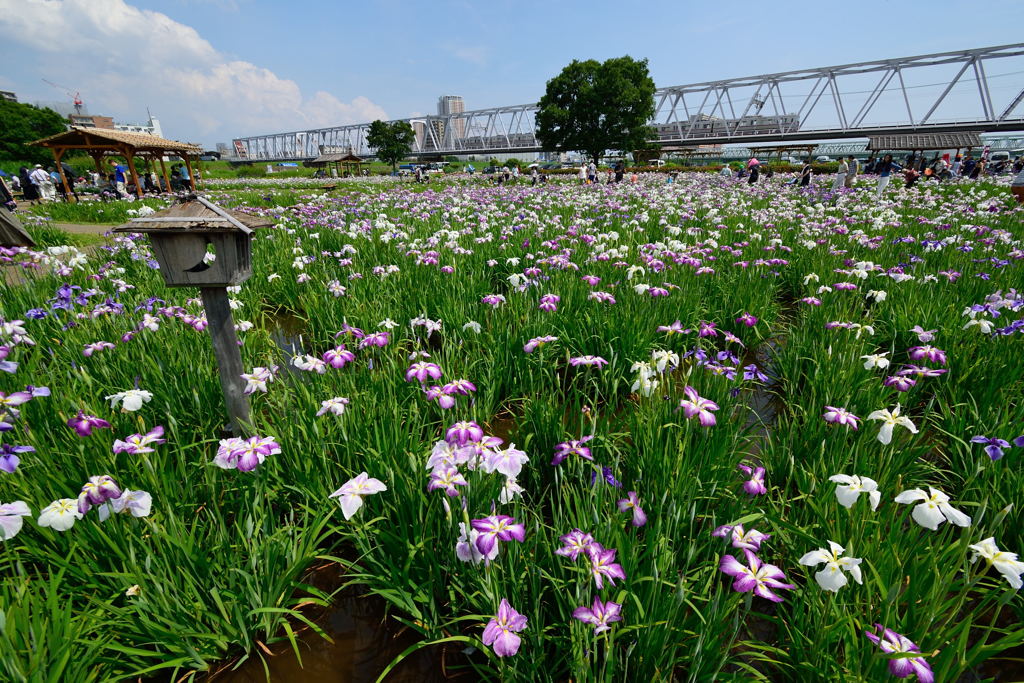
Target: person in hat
pixel 41 179
pixel 755 171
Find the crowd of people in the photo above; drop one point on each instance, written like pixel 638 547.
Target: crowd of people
pixel 39 184
pixel 916 166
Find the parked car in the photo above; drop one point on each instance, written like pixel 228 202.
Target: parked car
pixel 823 159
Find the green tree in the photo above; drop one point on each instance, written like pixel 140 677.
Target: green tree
pixel 391 140
pixel 592 107
pixel 21 124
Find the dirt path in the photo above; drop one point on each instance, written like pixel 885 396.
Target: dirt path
pixel 85 228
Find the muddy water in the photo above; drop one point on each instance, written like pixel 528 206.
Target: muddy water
pixel 286 331
pixel 363 643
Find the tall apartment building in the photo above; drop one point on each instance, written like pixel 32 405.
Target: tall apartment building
pixel 453 104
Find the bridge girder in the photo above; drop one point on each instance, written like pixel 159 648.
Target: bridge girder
pixel 725 111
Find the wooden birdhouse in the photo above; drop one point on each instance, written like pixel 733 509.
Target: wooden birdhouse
pixel 199 244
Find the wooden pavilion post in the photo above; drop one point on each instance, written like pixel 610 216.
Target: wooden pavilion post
pixel 129 153
pixel 191 175
pixel 99 166
pixel 58 152
pixel 167 180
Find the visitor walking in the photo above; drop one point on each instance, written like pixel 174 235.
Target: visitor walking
pixel 805 173
pixel 853 169
pixel 28 188
pixel 583 174
pixel 120 178
pixel 620 170
pixel 44 185
pixel 841 172
pixel 592 173
pixel 885 168
pixel 725 171
pixel 58 185
pixel 978 169
pixel 755 171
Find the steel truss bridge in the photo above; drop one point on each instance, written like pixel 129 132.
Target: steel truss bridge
pixel 979 90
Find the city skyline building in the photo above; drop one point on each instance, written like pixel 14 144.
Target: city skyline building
pixel 452 104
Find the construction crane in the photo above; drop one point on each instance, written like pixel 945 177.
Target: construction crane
pixel 74 95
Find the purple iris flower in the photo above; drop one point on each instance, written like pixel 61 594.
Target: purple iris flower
pixel 840 416
pixel 674 328
pixel 994 446
pixel 140 443
pixel 919 371
pixel 338 356
pixel 588 360
pixel 901 667
pixel 245 454
pixel 444 398
pixel 497 528
pixel 446 479
pixel 603 565
pixel 9 459
pixel 600 614
pixel 609 477
pixel 1019 441
pixel 752 372
pixel 84 424
pixel 574 447
pixel 379 339
pixel 500 632
pixel 899 382
pixel 537 342
pixel 423 371
pixel 755 485
pixel 6 365
pixel 632 502
pixel 928 352
pixel 696 406
pixel 747 319
pixel 461 433
pixel 754 576
pixel 96 491
pixel 706 329
pixel 574 543
pixel 740 538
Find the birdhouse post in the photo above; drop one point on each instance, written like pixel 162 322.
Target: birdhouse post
pixel 199 244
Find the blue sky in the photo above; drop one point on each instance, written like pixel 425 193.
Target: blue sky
pixel 215 69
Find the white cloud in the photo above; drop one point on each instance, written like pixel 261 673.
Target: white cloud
pixel 124 59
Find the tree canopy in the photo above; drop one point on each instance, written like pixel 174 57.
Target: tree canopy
pixel 21 124
pixel 392 141
pixel 592 107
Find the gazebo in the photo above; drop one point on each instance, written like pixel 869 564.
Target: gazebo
pixel 343 163
pixel 98 142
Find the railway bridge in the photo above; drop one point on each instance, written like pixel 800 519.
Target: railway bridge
pixel 978 90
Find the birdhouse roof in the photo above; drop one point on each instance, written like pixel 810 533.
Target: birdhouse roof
pixel 195 214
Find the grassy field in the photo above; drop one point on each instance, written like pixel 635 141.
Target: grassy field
pixel 563 356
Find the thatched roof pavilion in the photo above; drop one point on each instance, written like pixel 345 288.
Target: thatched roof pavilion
pixel 100 141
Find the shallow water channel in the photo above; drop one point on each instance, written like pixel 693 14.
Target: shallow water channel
pixel 363 642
